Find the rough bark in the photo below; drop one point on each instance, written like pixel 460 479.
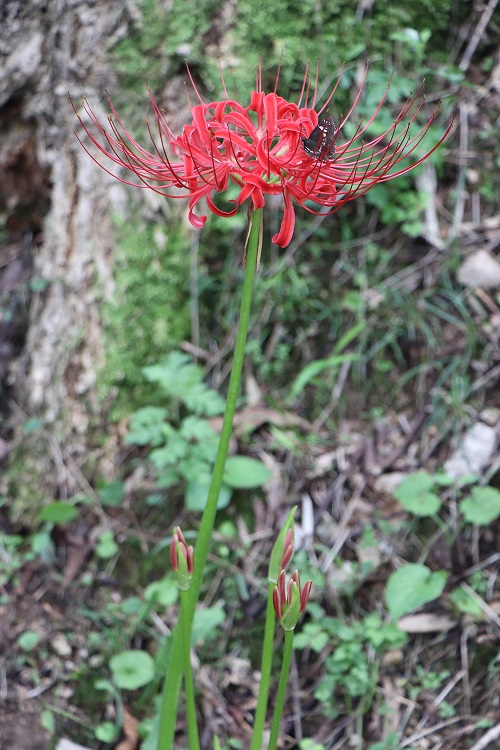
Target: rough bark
pixel 47 48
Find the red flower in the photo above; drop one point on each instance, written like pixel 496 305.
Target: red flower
pixel 182 559
pixel 260 148
pixel 289 600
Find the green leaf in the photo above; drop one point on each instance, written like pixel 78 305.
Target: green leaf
pixel 106 546
pixel 32 425
pixel 183 380
pixel 329 363
pixel 195 497
pixel 415 496
pixel 59 512
pixel 312 635
pixel 41 542
pixel 48 721
pixel 103 684
pixel 242 472
pixel 112 493
pixel 106 731
pixel 464 602
pixel 205 623
pixel 164 592
pixel 132 669
pixel 146 426
pixel 29 640
pixel 412 586
pixel 316 368
pixel 482 506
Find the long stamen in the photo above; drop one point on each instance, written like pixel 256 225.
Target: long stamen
pixel 304 83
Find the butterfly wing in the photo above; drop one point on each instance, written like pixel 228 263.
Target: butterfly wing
pixel 320 144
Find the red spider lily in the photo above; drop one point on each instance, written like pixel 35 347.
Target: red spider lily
pixel 289 600
pixel 260 149
pixel 182 559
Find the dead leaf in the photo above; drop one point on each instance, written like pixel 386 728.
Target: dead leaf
pixel 64 744
pixel 426 622
pixel 249 420
pixel 130 731
pixel 480 269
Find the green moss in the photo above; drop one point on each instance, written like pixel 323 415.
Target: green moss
pixel 149 313
pixel 293 31
pixel 27 490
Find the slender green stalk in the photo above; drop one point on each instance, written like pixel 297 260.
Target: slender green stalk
pixel 194 740
pixel 280 698
pixel 170 698
pixel 265 670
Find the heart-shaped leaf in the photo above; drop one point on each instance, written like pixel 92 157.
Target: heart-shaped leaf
pixel 242 472
pixel 482 507
pixel 412 586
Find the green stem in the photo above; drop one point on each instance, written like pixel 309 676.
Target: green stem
pixel 267 660
pixel 194 740
pixel 280 698
pixel 168 712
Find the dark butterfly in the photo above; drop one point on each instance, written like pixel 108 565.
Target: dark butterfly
pixel 320 143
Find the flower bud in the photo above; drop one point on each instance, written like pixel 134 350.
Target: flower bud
pixel 182 559
pixel 283 548
pixel 289 600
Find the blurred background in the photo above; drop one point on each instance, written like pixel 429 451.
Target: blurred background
pixel 373 350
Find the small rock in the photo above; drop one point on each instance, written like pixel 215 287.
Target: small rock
pixel 391 658
pixel 480 269
pixel 60 645
pixel 65 744
pixel 490 415
pixel 387 483
pixel 473 453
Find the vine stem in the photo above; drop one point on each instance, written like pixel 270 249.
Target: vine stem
pixel 280 697
pixel 265 672
pixel 194 739
pixel 170 699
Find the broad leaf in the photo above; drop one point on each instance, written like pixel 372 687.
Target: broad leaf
pixel 242 472
pixel 412 586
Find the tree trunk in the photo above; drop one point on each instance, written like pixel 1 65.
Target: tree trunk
pixel 56 205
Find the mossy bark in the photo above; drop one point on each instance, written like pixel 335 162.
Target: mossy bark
pixel 60 203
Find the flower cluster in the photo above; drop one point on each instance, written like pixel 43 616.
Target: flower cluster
pixel 265 148
pixel 289 600
pixel 182 559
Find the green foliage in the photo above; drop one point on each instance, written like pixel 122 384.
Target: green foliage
pixel 29 640
pixel 179 453
pixel 242 472
pixel 59 512
pixel 142 320
pixel 206 622
pixel 106 546
pixel 180 379
pixel 331 363
pixel 308 744
pixel 111 493
pixel 183 445
pixel 350 667
pixel 399 204
pixel 482 506
pixel 164 592
pixel 411 587
pixel 132 669
pixel 416 495
pixel 426 680
pixel 16 551
pixel 464 602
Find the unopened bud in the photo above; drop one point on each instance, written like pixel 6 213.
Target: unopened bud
pixel 182 559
